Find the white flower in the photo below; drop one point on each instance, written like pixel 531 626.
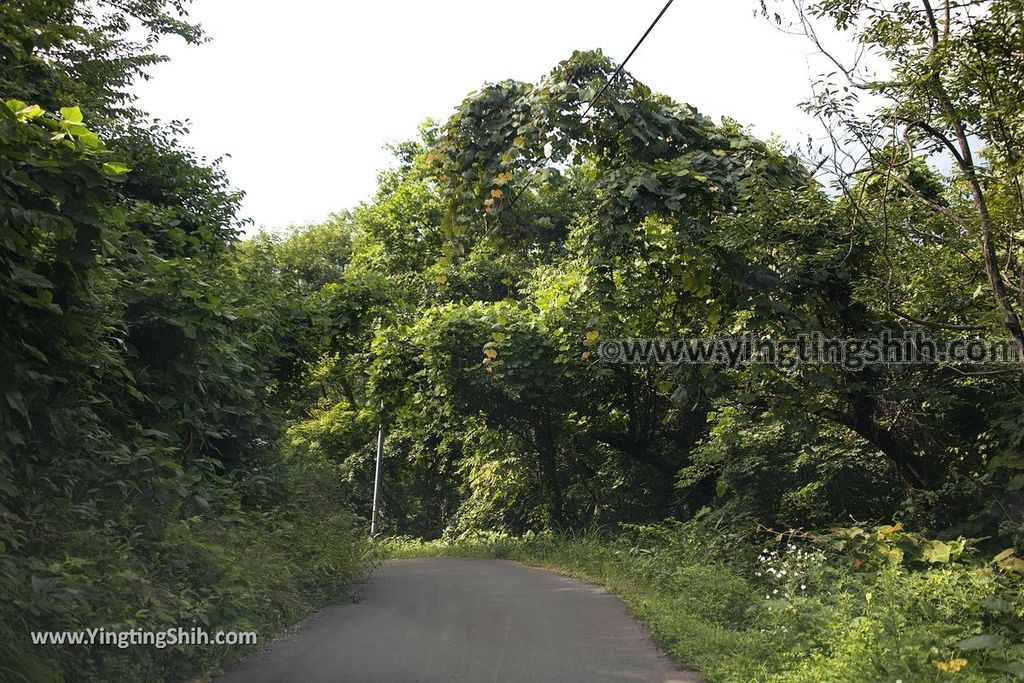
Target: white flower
pixel 803 587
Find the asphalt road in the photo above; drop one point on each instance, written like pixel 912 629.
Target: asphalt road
pixel 465 620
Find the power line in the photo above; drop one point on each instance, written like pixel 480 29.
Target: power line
pixel 626 60
pixel 593 101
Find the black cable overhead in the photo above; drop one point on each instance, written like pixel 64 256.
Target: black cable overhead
pixel 593 101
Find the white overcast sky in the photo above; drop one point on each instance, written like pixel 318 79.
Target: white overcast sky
pixel 304 94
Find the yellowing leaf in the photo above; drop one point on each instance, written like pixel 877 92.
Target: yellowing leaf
pixel 592 336
pixel 953 666
pixel 440 279
pixel 586 355
pixel 935 551
pixel 491 353
pixel 496 193
pixel 519 141
pixel 1004 555
pixel 498 336
pixel 1013 564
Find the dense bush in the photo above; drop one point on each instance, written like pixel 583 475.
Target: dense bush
pixel 142 478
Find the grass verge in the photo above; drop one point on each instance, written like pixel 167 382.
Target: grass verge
pixel 258 571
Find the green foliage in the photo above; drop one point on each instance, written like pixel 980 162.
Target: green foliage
pixel 892 545
pixel 141 425
pixel 819 473
pixel 188 419
pixel 516 239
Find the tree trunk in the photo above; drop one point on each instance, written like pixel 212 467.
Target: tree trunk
pixel 548 459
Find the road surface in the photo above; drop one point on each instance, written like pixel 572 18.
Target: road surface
pixel 454 619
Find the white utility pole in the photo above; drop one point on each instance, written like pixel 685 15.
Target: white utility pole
pixel 377 475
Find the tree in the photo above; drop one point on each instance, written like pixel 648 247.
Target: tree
pixel 950 88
